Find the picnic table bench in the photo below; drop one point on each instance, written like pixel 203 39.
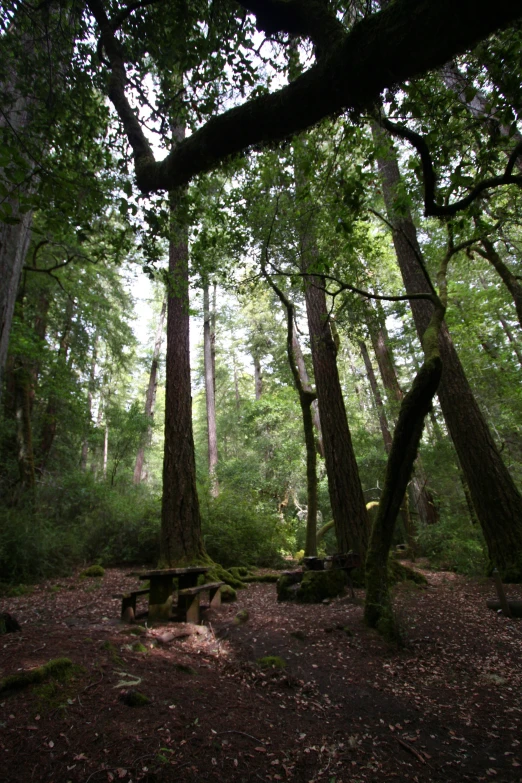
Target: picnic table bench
pixel 161 592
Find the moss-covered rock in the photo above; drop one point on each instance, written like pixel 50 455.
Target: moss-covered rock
pixel 272 662
pixel 241 617
pixel 288 585
pixel 219 574
pixel 228 594
pixel 57 668
pixel 261 578
pixel 93 571
pixel 317 586
pixel 239 571
pixel 134 698
pixel 398 572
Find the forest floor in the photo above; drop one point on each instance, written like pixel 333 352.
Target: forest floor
pixel 348 707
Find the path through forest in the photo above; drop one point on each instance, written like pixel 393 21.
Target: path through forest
pixel 347 707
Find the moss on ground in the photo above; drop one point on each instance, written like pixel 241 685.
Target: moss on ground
pixel 271 662
pixel 58 668
pixel 398 572
pixel 93 571
pixel 228 594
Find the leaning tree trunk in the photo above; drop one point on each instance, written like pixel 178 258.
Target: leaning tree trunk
pixel 210 396
pixel 496 499
pixel 181 539
pixel 150 397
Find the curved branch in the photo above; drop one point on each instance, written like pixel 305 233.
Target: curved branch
pixel 431 208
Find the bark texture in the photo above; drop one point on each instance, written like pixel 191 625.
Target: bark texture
pixel 181 541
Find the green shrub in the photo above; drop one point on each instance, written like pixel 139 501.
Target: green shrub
pixel 75 520
pixel 238 530
pixel 454 544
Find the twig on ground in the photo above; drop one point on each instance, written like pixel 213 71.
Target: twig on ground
pixel 234 731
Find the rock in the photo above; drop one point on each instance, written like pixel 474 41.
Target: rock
pixel 8 623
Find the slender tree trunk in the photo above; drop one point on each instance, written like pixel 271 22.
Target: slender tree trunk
pixel 105 449
pixel 210 393
pixel 512 283
pixel 50 422
pixel 306 398
pixel 307 386
pixel 497 502
pixel 150 397
pixel 90 390
pixel 514 343
pixel 258 378
pixel 381 413
pixel 409 528
pixel 181 540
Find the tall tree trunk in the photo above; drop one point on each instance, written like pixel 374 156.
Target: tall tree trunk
pixel 90 390
pixel 497 502
pixel 181 539
pixel 50 422
pixel 210 393
pixel 344 485
pixel 105 449
pixel 150 397
pixel 381 413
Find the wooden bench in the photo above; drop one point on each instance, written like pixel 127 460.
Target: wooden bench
pixel 188 600
pixel 128 604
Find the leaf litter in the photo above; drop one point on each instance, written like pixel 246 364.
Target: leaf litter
pixel 348 706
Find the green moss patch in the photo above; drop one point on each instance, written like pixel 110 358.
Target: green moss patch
pixel 271 662
pixel 398 572
pixel 184 669
pixel 134 699
pixel 93 571
pixel 228 594
pixel 58 668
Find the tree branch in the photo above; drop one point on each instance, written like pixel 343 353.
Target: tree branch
pixel 431 208
pixel 402 41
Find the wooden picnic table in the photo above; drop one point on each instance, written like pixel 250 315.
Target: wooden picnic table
pixel 162 585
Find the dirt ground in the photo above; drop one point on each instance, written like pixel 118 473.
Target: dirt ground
pixel 347 707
